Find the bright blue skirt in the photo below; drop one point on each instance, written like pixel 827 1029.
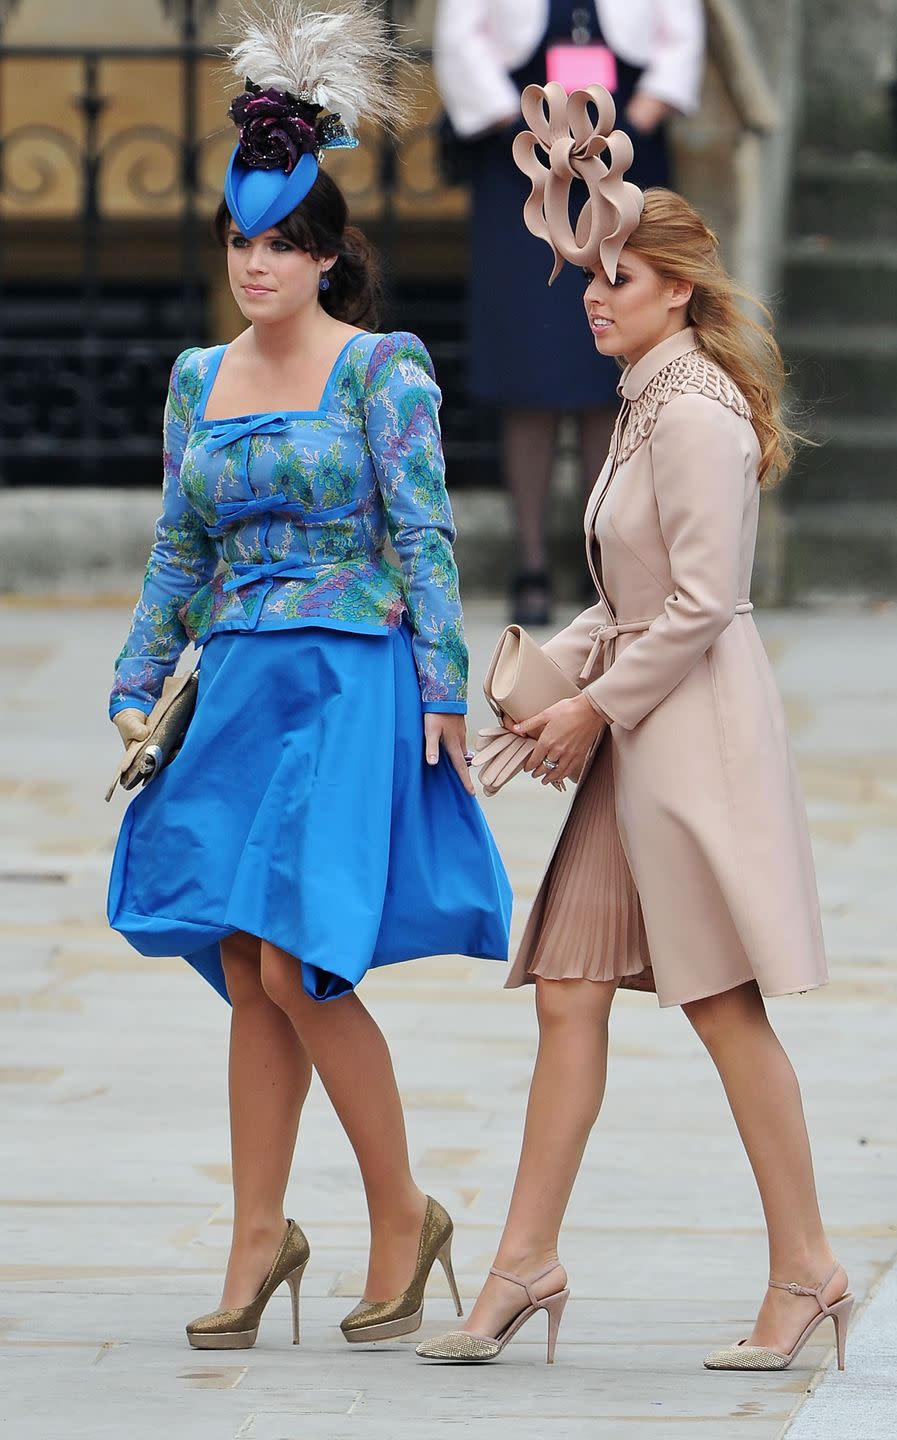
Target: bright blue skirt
pixel 301 810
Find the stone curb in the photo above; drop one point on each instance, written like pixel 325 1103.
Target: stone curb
pixel 862 1401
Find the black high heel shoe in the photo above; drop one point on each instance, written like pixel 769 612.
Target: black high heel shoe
pixel 531 598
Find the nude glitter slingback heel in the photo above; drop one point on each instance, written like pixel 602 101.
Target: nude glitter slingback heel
pixel 756 1357
pixel 238 1329
pixel 476 1349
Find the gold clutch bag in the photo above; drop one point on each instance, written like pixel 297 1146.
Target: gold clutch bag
pixel 521 682
pixel 167 721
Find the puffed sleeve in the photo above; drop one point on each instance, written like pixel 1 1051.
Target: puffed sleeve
pixel 676 67
pixel 181 561
pixel 700 469
pixel 476 89
pixel 402 421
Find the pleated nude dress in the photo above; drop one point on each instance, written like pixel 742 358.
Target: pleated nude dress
pixel 586 922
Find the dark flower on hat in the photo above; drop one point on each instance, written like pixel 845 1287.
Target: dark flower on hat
pixel 276 128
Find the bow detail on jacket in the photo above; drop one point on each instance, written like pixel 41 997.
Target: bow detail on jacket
pixel 247 572
pixel 229 431
pixel 234 512
pixel 561 128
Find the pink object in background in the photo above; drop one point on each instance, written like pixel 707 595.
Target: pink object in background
pixel 578 66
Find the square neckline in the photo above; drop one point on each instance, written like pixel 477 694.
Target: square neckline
pixel 215 366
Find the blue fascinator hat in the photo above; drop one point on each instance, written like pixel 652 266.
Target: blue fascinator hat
pixel 317 74
pixel 275 163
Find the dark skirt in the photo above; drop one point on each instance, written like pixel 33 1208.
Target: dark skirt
pixel 531 347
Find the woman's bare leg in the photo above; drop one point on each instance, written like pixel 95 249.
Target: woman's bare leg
pixel 764 1095
pixel 269 1076
pixel 565 1097
pixel 351 1056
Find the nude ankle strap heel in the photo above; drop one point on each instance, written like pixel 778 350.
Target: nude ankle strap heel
pixel 757 1357
pixel 475 1349
pixel 555 1305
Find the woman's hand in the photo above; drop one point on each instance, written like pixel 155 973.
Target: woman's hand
pixel 131 725
pixel 450 731
pixel 645 113
pixel 565 732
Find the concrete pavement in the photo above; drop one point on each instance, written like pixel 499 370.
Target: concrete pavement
pixel 114 1196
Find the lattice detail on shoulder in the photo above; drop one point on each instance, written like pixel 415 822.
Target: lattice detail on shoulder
pixel 691 374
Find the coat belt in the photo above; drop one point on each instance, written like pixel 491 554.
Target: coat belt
pixel 603 634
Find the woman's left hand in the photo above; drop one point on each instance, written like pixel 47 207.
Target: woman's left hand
pixel 565 733
pixel 645 113
pixel 449 731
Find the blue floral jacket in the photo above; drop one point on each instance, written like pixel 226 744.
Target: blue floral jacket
pixel 274 520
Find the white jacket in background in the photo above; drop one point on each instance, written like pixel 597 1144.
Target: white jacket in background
pixel 478 43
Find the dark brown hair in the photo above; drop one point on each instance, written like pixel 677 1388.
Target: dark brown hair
pixel 319 226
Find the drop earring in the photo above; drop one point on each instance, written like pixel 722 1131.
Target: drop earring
pixel 324 282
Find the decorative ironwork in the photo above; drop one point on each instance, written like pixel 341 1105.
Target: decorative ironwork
pixel 27 146
pixel 84 360
pixel 6 9
pixel 152 144
pixel 189 12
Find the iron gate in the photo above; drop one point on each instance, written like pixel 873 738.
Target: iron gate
pixel 85 355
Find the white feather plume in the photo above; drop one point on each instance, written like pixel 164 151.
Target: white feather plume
pixel 337 52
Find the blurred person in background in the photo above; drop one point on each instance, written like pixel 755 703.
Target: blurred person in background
pixel 649 54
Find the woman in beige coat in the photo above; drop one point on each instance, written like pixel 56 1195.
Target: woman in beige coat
pixel 685 862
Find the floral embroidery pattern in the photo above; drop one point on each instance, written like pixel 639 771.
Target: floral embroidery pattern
pixel 317 494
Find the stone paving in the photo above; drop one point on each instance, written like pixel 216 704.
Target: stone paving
pixel 114 1196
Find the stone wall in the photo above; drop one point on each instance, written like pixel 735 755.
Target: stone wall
pixel 849 59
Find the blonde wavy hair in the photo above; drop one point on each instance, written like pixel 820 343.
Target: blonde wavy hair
pixel 675 240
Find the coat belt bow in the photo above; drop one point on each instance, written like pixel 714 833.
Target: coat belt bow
pixel 602 635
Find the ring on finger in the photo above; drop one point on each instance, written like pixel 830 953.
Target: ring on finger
pixel 550 764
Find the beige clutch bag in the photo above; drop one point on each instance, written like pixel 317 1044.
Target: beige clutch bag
pixel 520 682
pixel 167 721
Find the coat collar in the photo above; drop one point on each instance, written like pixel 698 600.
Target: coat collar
pixel 637 377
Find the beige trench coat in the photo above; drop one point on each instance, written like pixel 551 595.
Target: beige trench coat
pixel 708 805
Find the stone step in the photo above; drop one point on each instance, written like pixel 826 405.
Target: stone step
pixel 855 459
pixel 840 550
pixel 57 541
pixel 843 371
pixel 827 281
pixel 851 197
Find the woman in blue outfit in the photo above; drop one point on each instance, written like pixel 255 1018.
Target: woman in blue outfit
pixel 319 819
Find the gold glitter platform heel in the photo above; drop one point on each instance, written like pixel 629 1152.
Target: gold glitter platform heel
pixel 464 1346
pixel 388 1319
pixel 238 1329
pixel 756 1357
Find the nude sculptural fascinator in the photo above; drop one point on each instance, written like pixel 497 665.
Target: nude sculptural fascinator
pixel 313 72
pixel 564 143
